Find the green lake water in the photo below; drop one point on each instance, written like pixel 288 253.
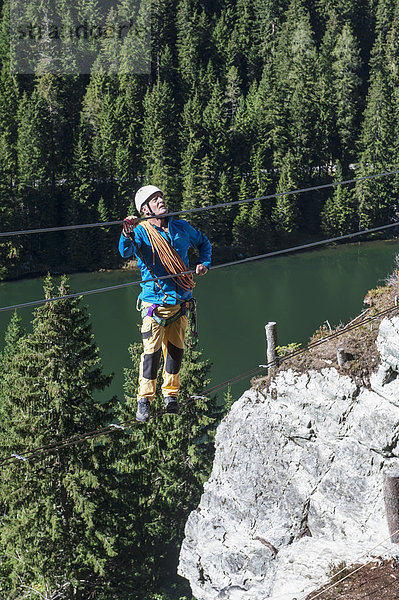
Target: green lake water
pixel 299 292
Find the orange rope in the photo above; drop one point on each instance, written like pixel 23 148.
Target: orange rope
pixel 168 257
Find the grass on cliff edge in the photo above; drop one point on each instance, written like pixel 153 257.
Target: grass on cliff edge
pixel 374 581
pixel 359 343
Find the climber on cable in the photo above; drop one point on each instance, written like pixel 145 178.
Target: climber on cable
pixel 161 246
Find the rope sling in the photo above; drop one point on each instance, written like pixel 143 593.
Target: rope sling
pixel 169 258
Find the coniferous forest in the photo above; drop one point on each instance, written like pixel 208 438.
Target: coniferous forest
pixel 243 99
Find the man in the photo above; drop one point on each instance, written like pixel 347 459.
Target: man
pixel 161 245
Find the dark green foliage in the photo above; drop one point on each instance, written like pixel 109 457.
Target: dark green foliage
pixel 339 214
pixel 166 461
pixel 13 334
pixel 286 212
pixel 58 530
pixel 377 202
pixel 346 82
pixel 274 93
pixel 97 516
pixel 159 139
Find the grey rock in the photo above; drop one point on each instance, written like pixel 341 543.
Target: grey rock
pixel 296 484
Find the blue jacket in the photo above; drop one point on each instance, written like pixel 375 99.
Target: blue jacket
pixel 181 236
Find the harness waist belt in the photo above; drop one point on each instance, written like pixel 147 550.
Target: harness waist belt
pixel 187 305
pixel 149 312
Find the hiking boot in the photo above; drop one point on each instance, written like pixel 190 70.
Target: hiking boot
pixel 143 410
pixel 171 404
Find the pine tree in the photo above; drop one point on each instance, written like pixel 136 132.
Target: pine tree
pixel 221 33
pixel 242 43
pixel 339 214
pixel 215 123
pixel 267 25
pixel 81 245
pixel 166 463
pixel 242 231
pixel 163 28
pixel 106 239
pixel 58 527
pixel 192 41
pixel 34 141
pixel 160 141
pixel 222 219
pixel 346 68
pixel 376 197
pixel 129 119
pixel 286 212
pixel 295 63
pixel 9 97
pixel 192 141
pixel 326 123
pixel 13 335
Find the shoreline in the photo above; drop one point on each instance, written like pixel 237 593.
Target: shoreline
pixel 221 253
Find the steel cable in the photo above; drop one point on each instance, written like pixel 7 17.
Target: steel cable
pixel 227 264
pixel 352 572
pixel 132 422
pixel 202 208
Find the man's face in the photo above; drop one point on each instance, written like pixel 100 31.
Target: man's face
pixel 155 205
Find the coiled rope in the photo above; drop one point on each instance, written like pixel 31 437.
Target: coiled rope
pixel 169 258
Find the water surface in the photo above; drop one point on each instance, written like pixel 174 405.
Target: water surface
pixel 299 292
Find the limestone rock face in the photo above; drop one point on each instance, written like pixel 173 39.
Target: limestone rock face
pixel 296 485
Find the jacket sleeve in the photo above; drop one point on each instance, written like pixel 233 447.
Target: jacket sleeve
pixel 203 245
pixel 126 247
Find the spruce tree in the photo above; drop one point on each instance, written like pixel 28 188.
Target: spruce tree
pixel 163 28
pixel 296 67
pixel 13 334
pixel 215 123
pixel 221 33
pixel 58 523
pixel 81 245
pixel 286 212
pixel 339 215
pixel 346 68
pixel 267 25
pixel 192 41
pixel 376 197
pixel 326 123
pixel 242 231
pixel 192 142
pixel 160 141
pixel 166 463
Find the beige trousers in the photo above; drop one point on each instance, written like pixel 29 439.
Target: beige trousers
pixel 156 339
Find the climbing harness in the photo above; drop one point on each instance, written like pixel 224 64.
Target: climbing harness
pixel 190 305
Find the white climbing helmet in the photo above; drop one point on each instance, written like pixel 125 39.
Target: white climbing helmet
pixel 144 194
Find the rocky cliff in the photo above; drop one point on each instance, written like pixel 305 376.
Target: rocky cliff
pixel 296 485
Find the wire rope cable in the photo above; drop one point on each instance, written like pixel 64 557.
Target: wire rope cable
pixel 202 208
pixel 113 427
pixel 213 267
pixel 352 572
pixel 334 584
pixel 299 351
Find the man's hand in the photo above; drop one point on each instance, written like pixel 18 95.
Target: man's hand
pixel 201 269
pixel 129 225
